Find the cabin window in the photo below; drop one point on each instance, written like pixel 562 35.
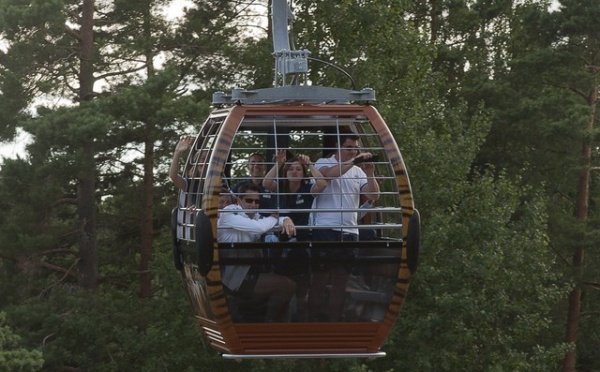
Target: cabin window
pixel 356 269
pixel 367 266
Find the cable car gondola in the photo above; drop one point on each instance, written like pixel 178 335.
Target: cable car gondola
pixel 305 119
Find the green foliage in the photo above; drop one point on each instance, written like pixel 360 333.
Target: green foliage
pixel 481 242
pixel 114 330
pixel 488 285
pixel 474 92
pixel 14 357
pixel 35 219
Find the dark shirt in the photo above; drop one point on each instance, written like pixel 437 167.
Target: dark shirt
pixel 301 199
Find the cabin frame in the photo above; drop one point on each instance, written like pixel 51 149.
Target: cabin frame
pixel 197 252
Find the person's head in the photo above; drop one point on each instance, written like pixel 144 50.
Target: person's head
pixel 348 146
pixel 249 196
pixel 293 170
pixel 256 165
pixel 225 198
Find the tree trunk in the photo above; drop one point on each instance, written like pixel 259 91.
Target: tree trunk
pixel 147 228
pixel 581 212
pixel 86 201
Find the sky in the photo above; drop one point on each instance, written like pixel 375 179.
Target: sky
pixel 12 149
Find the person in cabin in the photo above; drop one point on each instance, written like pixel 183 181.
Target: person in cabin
pixel 226 197
pixel 289 181
pixel 256 170
pixel 238 223
pixel 194 168
pixel 346 183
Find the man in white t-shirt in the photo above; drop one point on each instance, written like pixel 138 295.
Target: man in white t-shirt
pixel 251 281
pixel 347 182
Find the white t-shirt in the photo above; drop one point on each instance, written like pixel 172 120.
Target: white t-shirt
pixel 341 193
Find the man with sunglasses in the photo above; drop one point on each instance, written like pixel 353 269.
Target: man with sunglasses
pixel 346 183
pixel 238 223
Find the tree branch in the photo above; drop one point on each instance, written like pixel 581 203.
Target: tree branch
pixel 72 201
pixel 73 33
pixel 60 269
pixel 594 285
pixel 115 73
pixel 57 250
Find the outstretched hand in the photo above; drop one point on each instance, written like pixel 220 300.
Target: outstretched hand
pixel 280 156
pixel 185 142
pixel 304 159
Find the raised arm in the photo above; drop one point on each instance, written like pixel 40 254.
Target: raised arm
pixel 339 169
pixel 371 189
pixel 183 145
pixel 271 178
pixel 320 182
